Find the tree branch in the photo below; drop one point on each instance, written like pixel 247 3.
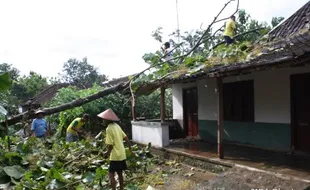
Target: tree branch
pixel 121 86
pixel 237 9
pixel 69 105
pixel 210 25
pixel 181 57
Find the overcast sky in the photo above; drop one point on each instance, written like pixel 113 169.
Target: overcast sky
pixel 41 35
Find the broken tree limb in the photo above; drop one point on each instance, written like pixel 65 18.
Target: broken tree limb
pixel 48 111
pixel 199 42
pixel 118 87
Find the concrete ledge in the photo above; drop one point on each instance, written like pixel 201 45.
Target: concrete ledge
pixel 279 175
pixel 149 123
pixel 155 132
pixel 211 160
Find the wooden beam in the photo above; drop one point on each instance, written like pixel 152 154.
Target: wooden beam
pixel 219 87
pixel 162 104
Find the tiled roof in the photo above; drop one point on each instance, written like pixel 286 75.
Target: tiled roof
pixel 45 95
pixel 115 81
pixel 291 51
pixel 298 21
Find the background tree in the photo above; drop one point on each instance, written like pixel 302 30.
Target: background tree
pixel 13 72
pixel 81 73
pixel 28 86
pixel 22 88
pixel 245 23
pixel 276 20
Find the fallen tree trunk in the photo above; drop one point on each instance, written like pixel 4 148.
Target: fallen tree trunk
pixel 119 87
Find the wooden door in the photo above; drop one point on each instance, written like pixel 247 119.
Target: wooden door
pixel 300 92
pixel 190 108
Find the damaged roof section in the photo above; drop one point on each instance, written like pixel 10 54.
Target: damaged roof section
pixel 45 95
pixel 114 82
pixel 292 51
pixel 287 45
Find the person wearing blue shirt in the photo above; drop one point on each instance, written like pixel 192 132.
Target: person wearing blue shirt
pixel 39 125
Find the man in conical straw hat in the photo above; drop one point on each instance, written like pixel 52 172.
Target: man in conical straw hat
pixel 116 150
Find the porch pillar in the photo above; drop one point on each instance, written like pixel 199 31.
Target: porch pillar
pixel 219 87
pixel 133 110
pixel 162 104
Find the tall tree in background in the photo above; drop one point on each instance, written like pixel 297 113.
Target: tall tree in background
pixel 246 23
pixel 13 72
pixel 28 86
pixel 22 88
pixel 276 20
pixel 81 73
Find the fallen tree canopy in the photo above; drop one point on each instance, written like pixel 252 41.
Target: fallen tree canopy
pixel 54 164
pixel 48 111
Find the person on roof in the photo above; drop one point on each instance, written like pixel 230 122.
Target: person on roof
pixel 168 53
pixel 230 30
pixel 39 125
pixel 75 128
pixel 115 145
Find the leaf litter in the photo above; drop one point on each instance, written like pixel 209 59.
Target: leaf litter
pixel 55 164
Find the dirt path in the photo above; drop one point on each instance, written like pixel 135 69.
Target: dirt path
pixel 175 176
pixel 239 179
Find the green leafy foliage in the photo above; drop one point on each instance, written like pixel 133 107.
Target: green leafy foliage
pixel 209 52
pixel 119 103
pixel 28 86
pixel 18 88
pixel 276 20
pixel 115 101
pixel 54 164
pixel 5 82
pixel 149 106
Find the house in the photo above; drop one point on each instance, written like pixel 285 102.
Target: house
pixel 263 102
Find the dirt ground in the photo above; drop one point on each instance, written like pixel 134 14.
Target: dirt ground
pixel 237 179
pixel 172 175
pixel 175 176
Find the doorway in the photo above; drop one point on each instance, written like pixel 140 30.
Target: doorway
pixel 190 111
pixel 300 111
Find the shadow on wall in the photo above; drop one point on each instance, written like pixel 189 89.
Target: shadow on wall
pixel 175 130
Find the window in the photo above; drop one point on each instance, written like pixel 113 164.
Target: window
pixel 238 99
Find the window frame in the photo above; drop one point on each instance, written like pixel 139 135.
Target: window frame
pixel 238 101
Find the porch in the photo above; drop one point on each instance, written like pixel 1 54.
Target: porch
pixel 280 163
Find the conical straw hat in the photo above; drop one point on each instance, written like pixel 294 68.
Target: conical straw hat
pixel 108 115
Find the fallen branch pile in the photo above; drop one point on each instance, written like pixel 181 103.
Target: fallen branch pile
pixel 51 164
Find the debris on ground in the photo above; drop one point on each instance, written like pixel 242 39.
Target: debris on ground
pixel 238 178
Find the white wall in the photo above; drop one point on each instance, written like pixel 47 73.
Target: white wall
pixel 271 95
pixel 155 133
pixel 177 100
